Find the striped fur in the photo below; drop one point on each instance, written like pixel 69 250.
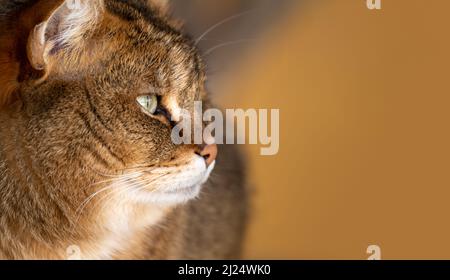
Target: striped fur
pixel 81 165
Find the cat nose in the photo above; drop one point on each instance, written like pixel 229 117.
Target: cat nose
pixel 209 153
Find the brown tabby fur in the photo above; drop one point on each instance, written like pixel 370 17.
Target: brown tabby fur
pixel 68 129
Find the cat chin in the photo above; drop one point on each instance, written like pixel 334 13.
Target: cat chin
pixel 184 185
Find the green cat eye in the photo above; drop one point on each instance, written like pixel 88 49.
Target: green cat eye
pixel 149 103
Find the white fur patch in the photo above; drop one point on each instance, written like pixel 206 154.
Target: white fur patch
pixel 174 108
pixel 121 227
pixel 175 185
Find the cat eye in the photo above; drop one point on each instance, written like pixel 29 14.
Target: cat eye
pixel 148 103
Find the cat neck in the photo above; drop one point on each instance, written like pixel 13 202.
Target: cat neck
pixel 120 231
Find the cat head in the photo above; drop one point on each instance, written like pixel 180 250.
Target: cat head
pixel 95 88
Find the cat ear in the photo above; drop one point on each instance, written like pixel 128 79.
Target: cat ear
pixel 14 31
pixel 29 37
pixel 62 30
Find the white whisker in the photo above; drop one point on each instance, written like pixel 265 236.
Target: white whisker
pixel 209 30
pixel 138 185
pixel 83 205
pixel 211 50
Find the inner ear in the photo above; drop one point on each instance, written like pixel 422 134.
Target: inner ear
pixel 64 28
pixel 43 38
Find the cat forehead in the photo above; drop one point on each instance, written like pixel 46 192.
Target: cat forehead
pixel 175 73
pixel 138 52
pixel 150 41
pixel 140 10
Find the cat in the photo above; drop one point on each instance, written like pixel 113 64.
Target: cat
pixel 89 92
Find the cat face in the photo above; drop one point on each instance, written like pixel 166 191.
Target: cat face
pixel 104 87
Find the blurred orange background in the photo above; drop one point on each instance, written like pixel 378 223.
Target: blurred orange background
pixel 364 155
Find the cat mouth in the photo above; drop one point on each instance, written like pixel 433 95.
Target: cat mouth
pixel 179 187
pixel 192 189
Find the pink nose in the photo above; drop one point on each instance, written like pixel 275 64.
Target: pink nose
pixel 209 153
